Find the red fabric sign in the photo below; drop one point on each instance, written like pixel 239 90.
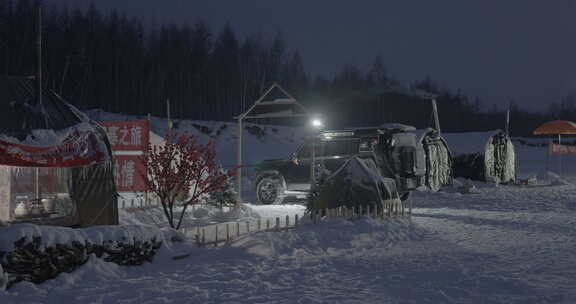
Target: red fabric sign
pixel 128 171
pixel 131 135
pixel 561 149
pixel 80 148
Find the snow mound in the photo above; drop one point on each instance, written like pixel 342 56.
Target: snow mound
pixel 52 235
pixel 197 216
pixel 331 237
pixel 549 178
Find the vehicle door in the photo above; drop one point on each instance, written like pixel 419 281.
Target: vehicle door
pixel 299 168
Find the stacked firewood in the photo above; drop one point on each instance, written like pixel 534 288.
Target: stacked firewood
pixel 31 261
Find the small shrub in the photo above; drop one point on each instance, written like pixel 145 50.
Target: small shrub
pixel 203 129
pixel 256 131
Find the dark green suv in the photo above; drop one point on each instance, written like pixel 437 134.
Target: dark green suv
pixel 394 149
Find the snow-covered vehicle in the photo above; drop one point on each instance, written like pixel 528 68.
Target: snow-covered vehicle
pixel 393 148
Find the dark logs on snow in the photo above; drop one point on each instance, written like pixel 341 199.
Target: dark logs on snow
pixel 31 261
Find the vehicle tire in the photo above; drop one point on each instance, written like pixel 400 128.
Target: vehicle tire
pixel 270 189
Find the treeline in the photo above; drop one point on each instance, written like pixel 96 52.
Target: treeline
pixel 357 97
pixel 118 64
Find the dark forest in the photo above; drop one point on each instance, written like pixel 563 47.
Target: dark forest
pixel 118 64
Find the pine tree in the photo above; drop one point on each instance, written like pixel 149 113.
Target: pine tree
pixel 320 177
pixel 225 196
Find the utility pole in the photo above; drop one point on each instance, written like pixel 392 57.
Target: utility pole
pixel 168 114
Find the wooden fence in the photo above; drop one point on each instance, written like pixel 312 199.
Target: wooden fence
pixel 220 234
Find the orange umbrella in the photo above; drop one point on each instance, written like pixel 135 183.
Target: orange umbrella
pixel 556 127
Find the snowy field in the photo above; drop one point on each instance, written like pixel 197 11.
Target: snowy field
pixel 499 244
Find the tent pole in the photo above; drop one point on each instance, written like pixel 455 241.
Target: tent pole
pixel 436 118
pixel 548 154
pixel 38 54
pixel 313 165
pixel 560 155
pixel 38 75
pixel 37 181
pixel 508 122
pixel 239 163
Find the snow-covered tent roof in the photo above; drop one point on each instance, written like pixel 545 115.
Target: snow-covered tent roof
pixel 20 115
pixel 53 134
pixel 56 134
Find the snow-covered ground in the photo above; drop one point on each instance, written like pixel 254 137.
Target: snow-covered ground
pixel 498 244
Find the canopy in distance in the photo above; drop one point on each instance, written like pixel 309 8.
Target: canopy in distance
pixel 556 127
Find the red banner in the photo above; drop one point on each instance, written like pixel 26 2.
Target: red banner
pixel 131 135
pixel 79 148
pixel 128 171
pixel 561 149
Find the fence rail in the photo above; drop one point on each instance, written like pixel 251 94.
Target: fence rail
pixel 224 233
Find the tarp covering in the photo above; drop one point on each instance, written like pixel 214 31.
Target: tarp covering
pixel 401 157
pixel 357 183
pixel 556 127
pixel 438 157
pixel 56 134
pixel 494 159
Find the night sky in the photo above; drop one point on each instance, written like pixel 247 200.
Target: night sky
pixel 498 50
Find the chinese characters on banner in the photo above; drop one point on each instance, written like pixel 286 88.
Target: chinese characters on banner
pixel 128 170
pixel 561 149
pixel 79 148
pixel 132 135
pixel 129 140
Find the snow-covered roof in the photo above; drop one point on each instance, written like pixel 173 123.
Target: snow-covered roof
pixel 285 106
pixel 399 126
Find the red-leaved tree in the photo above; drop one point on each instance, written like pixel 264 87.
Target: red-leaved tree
pixel 181 172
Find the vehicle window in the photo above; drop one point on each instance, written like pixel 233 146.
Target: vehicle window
pixel 330 148
pixel 339 147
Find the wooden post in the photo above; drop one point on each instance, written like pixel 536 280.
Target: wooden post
pixel 259 224
pixel 267 224
pixel 277 222
pixel 203 236
pixel 237 228
pixel 227 232
pixel 287 221
pixel 295 220
pixel 247 227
